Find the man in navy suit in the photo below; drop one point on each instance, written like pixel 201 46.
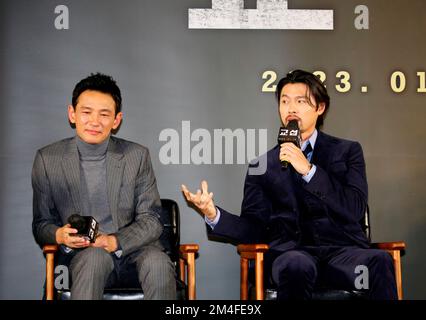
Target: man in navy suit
pixel 311 214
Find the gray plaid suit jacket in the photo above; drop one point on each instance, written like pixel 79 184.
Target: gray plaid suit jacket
pixel 132 192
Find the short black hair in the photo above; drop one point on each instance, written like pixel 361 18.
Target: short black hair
pixel 315 88
pixel 98 82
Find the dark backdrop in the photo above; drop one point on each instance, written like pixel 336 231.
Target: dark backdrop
pixel 213 78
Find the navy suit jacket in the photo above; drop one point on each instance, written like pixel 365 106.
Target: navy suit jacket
pixel 274 202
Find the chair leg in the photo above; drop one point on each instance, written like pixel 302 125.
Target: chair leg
pixel 182 270
pixel 244 279
pixel 50 264
pixel 187 259
pixel 191 276
pixel 396 255
pixel 259 276
pixel 188 265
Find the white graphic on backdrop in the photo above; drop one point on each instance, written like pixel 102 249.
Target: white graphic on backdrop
pixel 270 14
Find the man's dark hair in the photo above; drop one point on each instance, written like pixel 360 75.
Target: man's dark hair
pixel 98 82
pixel 316 89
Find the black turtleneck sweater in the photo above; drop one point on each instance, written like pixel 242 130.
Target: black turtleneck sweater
pixel 93 182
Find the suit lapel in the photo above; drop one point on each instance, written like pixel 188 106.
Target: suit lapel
pixel 322 151
pixel 114 174
pixel 71 169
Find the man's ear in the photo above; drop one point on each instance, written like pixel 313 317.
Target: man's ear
pixel 117 120
pixel 71 114
pixel 321 108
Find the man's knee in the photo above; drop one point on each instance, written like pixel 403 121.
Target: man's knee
pixel 382 275
pixel 154 263
pixel 95 259
pixel 294 265
pixel 156 274
pixel 380 259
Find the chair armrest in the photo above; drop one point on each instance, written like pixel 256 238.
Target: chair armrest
pixel 187 259
pixel 396 245
pixel 188 248
pixel 50 248
pixel 252 248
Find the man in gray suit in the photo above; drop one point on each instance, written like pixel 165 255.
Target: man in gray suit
pixel 111 179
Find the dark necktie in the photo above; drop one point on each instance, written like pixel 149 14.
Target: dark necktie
pixel 307 150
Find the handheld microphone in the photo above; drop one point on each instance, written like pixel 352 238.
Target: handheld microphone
pixel 87 227
pixel 291 133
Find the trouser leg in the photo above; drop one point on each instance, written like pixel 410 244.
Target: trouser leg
pixel 90 269
pixel 295 273
pixel 156 274
pixel 363 269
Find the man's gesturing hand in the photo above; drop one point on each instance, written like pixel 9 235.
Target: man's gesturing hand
pixel 202 200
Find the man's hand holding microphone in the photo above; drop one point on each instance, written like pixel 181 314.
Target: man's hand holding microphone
pixel 290 152
pixel 82 232
pixel 67 236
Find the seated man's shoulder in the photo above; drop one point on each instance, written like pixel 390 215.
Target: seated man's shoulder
pixel 339 141
pixel 55 148
pixel 269 156
pixel 129 147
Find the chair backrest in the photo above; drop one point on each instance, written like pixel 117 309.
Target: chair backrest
pixel 170 238
pixel 365 223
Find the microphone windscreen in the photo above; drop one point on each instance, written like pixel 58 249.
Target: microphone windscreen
pixel 77 222
pixel 86 226
pixel 293 124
